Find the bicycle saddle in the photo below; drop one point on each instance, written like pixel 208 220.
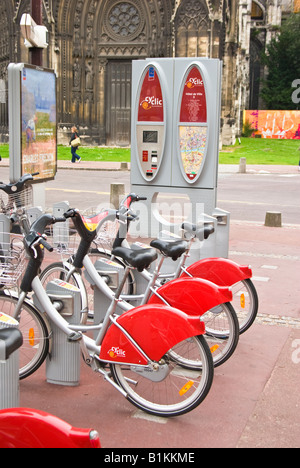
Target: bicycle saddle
pixel 172 249
pixel 140 259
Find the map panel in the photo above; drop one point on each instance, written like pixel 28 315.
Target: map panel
pixel 192 142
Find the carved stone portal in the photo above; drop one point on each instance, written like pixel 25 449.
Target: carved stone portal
pixel 93 42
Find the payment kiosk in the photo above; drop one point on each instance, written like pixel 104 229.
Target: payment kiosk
pixel 175 143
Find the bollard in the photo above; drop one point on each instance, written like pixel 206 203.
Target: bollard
pixel 242 167
pixel 115 191
pixel 124 166
pixel 273 219
pixel 115 272
pixel 10 341
pixel 63 362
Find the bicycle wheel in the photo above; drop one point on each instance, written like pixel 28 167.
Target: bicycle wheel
pixel 171 390
pixel 57 270
pixel 35 332
pixel 245 303
pixel 221 332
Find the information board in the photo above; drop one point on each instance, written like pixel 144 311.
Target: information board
pixel 33 122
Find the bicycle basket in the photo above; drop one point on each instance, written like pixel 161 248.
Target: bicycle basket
pixel 106 235
pixel 10 203
pixel 63 239
pixel 106 231
pixel 13 260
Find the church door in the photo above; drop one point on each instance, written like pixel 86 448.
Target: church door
pixel 118 103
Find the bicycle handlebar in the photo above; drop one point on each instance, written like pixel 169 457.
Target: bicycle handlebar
pixel 129 199
pixel 16 187
pixel 37 229
pixel 43 221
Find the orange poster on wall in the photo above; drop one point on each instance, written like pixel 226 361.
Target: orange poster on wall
pixel 274 124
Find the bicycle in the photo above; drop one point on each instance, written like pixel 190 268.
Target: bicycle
pixel 221 271
pixel 147 353
pixel 15 198
pixel 193 296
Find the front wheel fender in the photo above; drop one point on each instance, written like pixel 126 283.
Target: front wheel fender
pixel 221 271
pixel 154 328
pixel 194 296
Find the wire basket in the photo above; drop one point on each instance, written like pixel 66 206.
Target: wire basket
pixel 65 240
pixel 13 260
pixel 106 235
pixel 19 200
pixel 106 231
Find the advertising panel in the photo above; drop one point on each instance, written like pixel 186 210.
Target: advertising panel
pixel 275 124
pixel 151 107
pixel 33 122
pixel 150 127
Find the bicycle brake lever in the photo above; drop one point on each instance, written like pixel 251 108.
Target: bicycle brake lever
pixel 34 249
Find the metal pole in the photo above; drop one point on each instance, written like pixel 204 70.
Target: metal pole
pixel 37 16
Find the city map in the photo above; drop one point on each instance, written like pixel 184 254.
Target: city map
pixel 192 148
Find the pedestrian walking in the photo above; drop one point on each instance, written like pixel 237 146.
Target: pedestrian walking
pixel 75 142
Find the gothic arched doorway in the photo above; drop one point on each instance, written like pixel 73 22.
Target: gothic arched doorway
pixel 118 103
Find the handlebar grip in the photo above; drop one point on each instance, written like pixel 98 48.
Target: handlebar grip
pixel 70 213
pixel 59 220
pixel 46 245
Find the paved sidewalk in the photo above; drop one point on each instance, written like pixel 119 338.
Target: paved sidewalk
pixel 223 168
pixel 254 400
pixel 117 166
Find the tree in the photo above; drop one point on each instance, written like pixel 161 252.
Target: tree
pixel 282 59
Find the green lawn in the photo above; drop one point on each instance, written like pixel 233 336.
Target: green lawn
pixel 262 151
pixel 96 153
pixel 255 150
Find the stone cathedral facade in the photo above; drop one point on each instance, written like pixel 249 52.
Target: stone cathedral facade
pixel 92 44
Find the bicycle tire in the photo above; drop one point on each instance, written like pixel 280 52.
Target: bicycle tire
pixel 245 303
pixel 59 271
pixel 221 332
pixel 225 338
pixel 35 331
pixel 176 393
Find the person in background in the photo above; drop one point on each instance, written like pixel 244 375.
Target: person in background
pixel 75 156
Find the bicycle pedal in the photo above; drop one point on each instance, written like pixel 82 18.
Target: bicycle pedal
pixel 76 336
